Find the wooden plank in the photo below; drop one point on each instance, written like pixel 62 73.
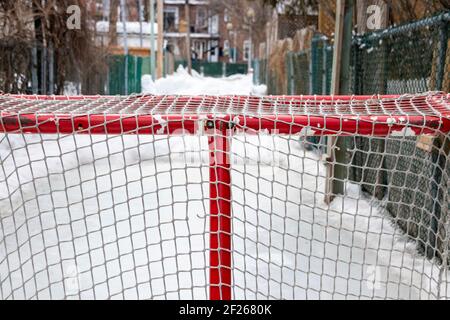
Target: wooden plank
pixel 331 157
pixel 337 168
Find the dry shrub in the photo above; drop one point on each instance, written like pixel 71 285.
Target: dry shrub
pixel 302 40
pixel 27 26
pixel 277 64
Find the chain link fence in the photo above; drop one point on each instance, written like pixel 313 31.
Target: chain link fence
pixel 118 83
pixel 308 72
pixel 299 72
pixel 411 58
pixel 407 59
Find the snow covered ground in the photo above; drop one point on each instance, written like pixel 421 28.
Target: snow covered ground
pixel 127 217
pixel 183 83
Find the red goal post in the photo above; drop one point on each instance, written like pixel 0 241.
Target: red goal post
pixel 219 118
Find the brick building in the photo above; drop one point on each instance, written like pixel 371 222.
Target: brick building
pixel 204 28
pixel 212 39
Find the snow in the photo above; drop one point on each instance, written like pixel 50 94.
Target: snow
pixel 102 213
pixel 71 89
pixel 410 85
pixel 181 83
pixel 126 217
pixel 406 132
pixel 132 27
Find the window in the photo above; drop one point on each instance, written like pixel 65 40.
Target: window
pixel 105 9
pixel 226 49
pixel 199 49
pixel 247 45
pixel 214 47
pixel 226 17
pixel 214 51
pixel 171 19
pixel 202 18
pixel 214 25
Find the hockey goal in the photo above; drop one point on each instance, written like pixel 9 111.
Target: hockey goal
pixel 173 197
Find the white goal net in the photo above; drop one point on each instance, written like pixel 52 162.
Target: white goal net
pixel 172 197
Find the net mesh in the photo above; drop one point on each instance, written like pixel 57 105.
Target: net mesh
pixel 163 197
pixel 395 51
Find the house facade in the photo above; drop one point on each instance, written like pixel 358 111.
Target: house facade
pixel 211 38
pixel 204 29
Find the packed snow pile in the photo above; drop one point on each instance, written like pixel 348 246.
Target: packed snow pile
pixel 182 83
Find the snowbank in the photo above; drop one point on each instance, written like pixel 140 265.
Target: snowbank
pixel 181 83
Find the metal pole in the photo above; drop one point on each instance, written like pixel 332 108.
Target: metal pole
pixel 152 40
pixel 34 75
pixel 188 36
pixel 324 67
pixel 125 39
pixel 160 51
pixel 336 168
pixel 443 42
pixel 235 47
pixel 250 51
pixel 141 18
pixel 44 69
pixel 51 70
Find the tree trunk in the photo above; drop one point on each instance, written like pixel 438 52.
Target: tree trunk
pixel 146 10
pixel 39 43
pixel 113 22
pixel 188 36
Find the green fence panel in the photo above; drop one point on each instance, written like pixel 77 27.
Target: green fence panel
pixel 215 69
pixel 260 71
pixel 329 51
pixel 236 68
pixel 301 82
pixel 317 65
pixel 116 80
pixel 146 65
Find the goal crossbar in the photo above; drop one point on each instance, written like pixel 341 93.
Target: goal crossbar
pixel 166 115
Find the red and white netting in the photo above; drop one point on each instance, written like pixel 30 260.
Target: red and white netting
pixel 321 115
pixel 178 197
